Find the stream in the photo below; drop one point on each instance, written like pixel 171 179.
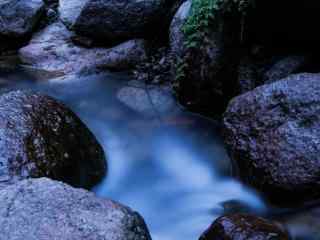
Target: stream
pixel 171 167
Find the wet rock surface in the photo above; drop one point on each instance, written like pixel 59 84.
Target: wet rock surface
pixel 244 226
pixel 40 137
pixel 53 50
pixel 114 21
pixel 19 17
pixel 69 10
pixel 45 209
pixel 177 37
pixel 272 134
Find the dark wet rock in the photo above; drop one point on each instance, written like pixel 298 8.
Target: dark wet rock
pixel 113 21
pixel 247 75
pixel 19 17
pixel 53 50
pixel 177 37
pixel 272 134
pixel 150 101
pixel 69 10
pixel 45 209
pixel 244 227
pixel 206 74
pixel 40 137
pixel 284 67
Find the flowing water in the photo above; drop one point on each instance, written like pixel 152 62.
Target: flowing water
pixel 171 166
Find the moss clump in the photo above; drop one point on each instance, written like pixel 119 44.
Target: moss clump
pixel 204 14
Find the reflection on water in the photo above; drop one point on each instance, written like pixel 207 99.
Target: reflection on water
pixel 171 168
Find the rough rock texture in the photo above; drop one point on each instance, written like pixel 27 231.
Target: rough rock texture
pixel 69 10
pixel 19 17
pixel 42 209
pixel 53 50
pixel 117 20
pixel 273 138
pixel 177 37
pixel 243 227
pixel 41 137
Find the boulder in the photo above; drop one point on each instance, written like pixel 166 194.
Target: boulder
pixel 284 67
pixel 109 21
pixel 53 50
pixel 42 209
pixel 244 226
pixel 69 10
pixel 19 17
pixel 177 37
pixel 272 134
pixel 41 137
pixel 206 66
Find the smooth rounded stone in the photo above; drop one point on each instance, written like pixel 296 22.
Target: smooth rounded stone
pixel 148 101
pixel 41 137
pixel 244 227
pixel 177 37
pixel 52 50
pixel 42 209
pixel 69 10
pixel 19 17
pixel 112 21
pixel 273 137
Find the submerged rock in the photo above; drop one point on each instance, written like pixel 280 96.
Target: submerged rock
pixel 113 21
pixel 53 50
pixel 19 17
pixel 45 209
pixel 244 227
pixel 150 101
pixel 40 137
pixel 273 138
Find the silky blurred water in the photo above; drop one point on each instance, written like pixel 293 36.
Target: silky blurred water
pixel 171 167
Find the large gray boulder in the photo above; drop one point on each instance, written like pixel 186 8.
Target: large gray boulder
pixel 42 209
pixel 19 17
pixel 52 50
pixel 111 21
pixel 273 136
pixel 41 137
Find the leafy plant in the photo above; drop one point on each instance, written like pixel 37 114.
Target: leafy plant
pixel 202 18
